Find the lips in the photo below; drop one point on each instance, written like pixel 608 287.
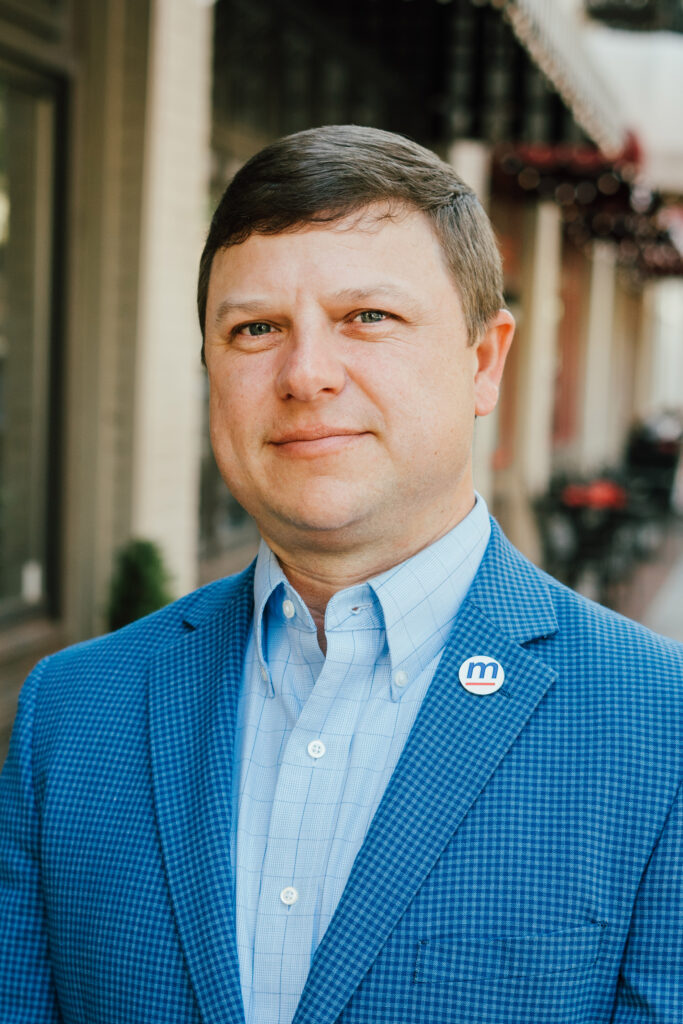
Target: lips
pixel 313 434
pixel 311 442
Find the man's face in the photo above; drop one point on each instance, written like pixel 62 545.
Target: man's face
pixel 343 386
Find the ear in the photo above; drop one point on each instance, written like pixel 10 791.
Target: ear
pixel 491 351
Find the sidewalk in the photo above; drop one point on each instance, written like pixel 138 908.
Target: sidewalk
pixel 654 596
pixel 665 613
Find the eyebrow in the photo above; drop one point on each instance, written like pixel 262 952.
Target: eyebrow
pixel 249 306
pixel 257 306
pixel 373 291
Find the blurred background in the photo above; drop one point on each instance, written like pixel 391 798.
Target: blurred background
pixel 121 122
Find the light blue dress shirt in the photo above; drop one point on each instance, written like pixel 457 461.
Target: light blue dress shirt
pixel 317 740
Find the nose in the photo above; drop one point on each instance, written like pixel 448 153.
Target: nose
pixel 311 365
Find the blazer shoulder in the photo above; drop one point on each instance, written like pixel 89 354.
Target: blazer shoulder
pixel 567 628
pixel 617 674
pixel 129 649
pixel 596 629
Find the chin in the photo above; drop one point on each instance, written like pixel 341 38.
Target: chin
pixel 321 521
pixel 314 527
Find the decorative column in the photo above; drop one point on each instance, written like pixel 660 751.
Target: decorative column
pixel 102 287
pixel 645 354
pixel 538 338
pixel 529 475
pixel 595 434
pixel 667 357
pixel 167 421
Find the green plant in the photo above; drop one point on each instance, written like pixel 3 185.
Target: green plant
pixel 139 585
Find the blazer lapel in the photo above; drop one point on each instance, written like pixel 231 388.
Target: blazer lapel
pixel 428 797
pixel 193 690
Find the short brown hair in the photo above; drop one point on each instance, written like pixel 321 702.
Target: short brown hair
pixel 324 174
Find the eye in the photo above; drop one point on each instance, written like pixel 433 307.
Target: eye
pixel 371 316
pixel 254 330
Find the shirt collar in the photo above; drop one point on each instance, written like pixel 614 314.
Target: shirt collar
pixel 416 601
pixel 269 579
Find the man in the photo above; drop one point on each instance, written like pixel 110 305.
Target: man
pixel 393 772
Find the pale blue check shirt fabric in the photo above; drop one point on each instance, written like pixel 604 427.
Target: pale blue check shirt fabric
pixel 317 740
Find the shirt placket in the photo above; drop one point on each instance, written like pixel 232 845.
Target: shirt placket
pixel 302 823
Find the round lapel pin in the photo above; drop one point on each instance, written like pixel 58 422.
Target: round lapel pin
pixel 481 674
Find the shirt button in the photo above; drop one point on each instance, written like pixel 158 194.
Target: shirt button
pixel 264 674
pixel 401 678
pixel 289 895
pixel 288 609
pixel 316 748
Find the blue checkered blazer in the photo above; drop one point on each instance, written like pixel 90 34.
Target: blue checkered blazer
pixel 525 864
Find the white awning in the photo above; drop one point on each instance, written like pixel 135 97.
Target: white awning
pixel 551 33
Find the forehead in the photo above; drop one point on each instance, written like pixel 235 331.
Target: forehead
pixel 383 241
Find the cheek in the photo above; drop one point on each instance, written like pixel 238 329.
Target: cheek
pixel 226 439
pixel 230 408
pixel 218 416
pixel 436 398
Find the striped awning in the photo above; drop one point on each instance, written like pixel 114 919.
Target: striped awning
pixel 555 42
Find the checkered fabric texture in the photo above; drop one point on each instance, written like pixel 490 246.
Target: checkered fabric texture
pixel 299 820
pixel 525 863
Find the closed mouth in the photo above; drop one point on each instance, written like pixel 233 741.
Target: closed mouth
pixel 318 443
pixel 314 434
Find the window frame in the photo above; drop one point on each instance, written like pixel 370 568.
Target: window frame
pixel 54 87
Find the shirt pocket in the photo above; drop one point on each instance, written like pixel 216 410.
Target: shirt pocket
pixel 476 958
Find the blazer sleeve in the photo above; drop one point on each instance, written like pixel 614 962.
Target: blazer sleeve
pixel 27 992
pixel 650 983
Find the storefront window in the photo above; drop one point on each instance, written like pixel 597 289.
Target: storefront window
pixel 27 166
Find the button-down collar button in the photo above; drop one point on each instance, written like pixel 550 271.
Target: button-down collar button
pixel 288 609
pixel 289 895
pixel 316 748
pixel 401 678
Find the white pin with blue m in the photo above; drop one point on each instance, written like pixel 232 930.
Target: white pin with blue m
pixel 481 675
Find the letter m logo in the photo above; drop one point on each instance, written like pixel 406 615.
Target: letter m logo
pixel 482 667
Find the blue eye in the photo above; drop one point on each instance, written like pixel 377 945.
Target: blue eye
pixel 372 316
pixel 255 330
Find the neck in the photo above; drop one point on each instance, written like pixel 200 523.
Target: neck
pixel 316 587
pixel 318 574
